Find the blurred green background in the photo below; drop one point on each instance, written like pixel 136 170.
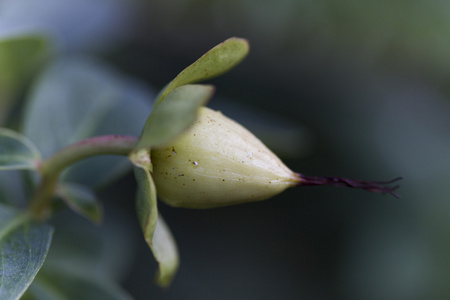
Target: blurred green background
pixel 337 88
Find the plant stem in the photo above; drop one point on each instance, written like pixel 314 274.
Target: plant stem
pixel 52 167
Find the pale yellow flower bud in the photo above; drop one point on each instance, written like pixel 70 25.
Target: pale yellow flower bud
pixel 217 162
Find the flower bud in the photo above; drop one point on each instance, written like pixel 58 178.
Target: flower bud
pixel 217 162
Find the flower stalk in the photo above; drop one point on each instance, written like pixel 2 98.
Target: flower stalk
pixel 53 166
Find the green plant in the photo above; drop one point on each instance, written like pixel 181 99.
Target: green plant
pixel 48 162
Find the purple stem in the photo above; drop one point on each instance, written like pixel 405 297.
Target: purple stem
pixel 371 186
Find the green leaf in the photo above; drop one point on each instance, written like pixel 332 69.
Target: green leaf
pixel 66 285
pixel 156 232
pixel 215 62
pixel 106 251
pixel 174 114
pixel 17 152
pixel 87 258
pixel 23 248
pixel 19 57
pixel 12 189
pixel 147 206
pixel 82 200
pixel 165 252
pixel 63 285
pixel 77 98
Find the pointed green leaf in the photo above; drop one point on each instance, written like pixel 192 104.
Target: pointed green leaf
pixel 156 232
pixel 215 62
pixel 17 152
pixel 23 248
pixel 82 200
pixel 174 115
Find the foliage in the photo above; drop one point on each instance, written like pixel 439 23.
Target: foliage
pixel 78 109
pixel 368 78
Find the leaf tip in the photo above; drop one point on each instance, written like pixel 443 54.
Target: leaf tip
pixel 245 44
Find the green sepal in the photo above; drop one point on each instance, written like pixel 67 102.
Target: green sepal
pixel 174 115
pixel 156 232
pixel 213 63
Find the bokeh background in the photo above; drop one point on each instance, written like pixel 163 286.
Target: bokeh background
pixel 358 89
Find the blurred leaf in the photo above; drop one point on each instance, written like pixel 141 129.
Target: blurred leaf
pixel 86 260
pixel 78 98
pixel 12 190
pixel 82 200
pixel 215 62
pixel 19 57
pixel 174 114
pixel 97 171
pixel 136 106
pixel 108 21
pixel 17 152
pixel 103 251
pixel 156 232
pixel 23 248
pixel 65 285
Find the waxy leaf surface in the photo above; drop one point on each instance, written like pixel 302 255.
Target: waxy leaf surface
pixel 23 248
